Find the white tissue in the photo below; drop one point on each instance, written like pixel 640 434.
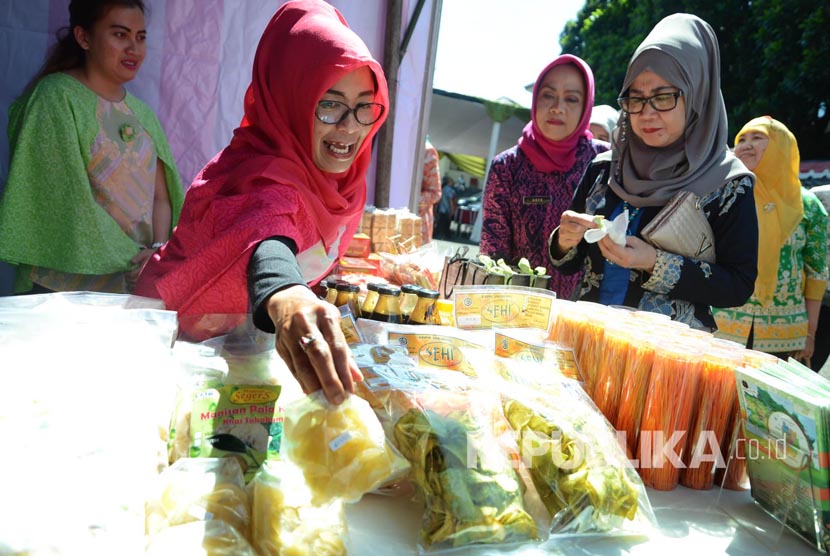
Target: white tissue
pixel 616 230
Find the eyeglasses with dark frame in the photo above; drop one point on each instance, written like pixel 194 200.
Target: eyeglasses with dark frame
pixel 662 102
pixel 333 112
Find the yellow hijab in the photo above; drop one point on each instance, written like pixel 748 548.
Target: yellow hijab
pixel 777 199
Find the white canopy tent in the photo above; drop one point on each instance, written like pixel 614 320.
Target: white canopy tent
pixel 461 124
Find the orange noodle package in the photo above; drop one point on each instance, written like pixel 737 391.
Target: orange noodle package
pixel 611 370
pixel 562 327
pixel 633 388
pixel 341 449
pixel 591 338
pixel 668 411
pixel 715 407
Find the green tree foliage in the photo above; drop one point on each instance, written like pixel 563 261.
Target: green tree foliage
pixel 774 56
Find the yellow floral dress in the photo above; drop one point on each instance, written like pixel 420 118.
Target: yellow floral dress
pixel 802 274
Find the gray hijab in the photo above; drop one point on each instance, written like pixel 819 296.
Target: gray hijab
pixel 683 50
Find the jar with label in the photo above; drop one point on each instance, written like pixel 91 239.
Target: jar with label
pixel 331 289
pixel 409 296
pixel 370 300
pixel 388 307
pixel 425 310
pixel 347 295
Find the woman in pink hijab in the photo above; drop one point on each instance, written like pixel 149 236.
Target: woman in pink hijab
pixel 531 184
pixel 271 213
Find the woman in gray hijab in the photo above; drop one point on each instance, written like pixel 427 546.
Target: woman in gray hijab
pixel 671 138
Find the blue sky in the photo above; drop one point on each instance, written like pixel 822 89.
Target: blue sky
pixel 493 48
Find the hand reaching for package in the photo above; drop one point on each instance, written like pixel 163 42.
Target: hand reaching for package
pixel 310 341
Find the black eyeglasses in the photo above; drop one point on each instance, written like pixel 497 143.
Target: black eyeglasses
pixel 662 102
pixel 333 112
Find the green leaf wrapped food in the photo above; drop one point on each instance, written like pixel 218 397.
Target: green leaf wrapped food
pixel 471 502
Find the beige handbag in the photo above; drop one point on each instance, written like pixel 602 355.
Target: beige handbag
pixel 681 227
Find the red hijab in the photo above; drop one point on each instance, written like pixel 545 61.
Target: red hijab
pixel 265 183
pixel 545 154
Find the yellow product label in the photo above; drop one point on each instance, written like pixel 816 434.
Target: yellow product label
pixel 502 309
pixel 350 331
pixel 517 349
pixel 245 396
pixel 433 350
pixel 560 357
pixel 564 360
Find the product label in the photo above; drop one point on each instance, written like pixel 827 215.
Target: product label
pixel 349 328
pixel 237 420
pixel 502 308
pixel 433 350
pixel 559 357
pixel 338 442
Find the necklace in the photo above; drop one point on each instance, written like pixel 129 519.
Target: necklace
pixel 632 215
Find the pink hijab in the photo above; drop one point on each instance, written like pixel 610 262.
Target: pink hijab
pixel 265 183
pixel 558 156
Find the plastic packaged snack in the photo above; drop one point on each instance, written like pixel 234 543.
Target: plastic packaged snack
pixel 200 538
pixel 583 488
pixel 228 401
pixel 201 489
pixel 472 492
pixel 285 522
pixel 342 450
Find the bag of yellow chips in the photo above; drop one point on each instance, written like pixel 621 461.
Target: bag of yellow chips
pixel 200 489
pixel 341 449
pixel 286 522
pixel 200 538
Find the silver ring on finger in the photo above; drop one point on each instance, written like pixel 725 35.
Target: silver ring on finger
pixel 307 341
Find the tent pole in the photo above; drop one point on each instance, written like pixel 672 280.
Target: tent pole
pixel 475 234
pixel 385 137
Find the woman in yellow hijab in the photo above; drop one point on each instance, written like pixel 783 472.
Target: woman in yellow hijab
pixel 782 314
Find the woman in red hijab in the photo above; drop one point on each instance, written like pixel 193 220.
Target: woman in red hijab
pixel 272 212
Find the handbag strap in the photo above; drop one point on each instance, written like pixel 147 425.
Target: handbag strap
pixel 459 258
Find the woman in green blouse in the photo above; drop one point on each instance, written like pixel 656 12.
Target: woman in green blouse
pixel 92 190
pixel 782 314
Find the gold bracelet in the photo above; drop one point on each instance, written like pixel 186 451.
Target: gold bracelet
pixel 813 336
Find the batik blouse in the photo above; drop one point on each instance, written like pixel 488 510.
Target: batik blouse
pixel 802 274
pixel 522 205
pixel 680 287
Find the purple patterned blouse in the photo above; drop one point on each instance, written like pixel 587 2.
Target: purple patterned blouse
pixel 522 206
